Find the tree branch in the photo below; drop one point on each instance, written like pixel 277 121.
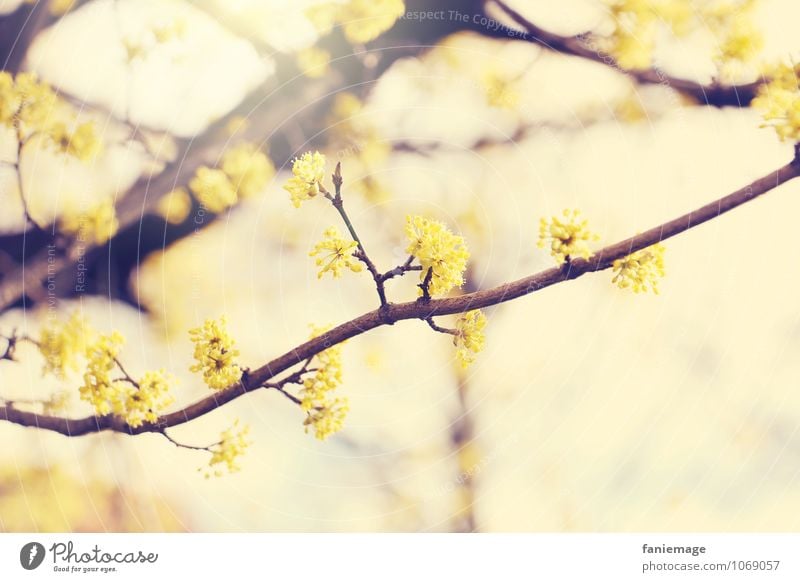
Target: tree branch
pixel 583 46
pixel 420 310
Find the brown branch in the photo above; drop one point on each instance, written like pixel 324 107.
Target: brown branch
pixel 584 46
pixel 420 310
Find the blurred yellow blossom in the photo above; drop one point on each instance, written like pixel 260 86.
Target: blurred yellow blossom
pixel 500 91
pixel 26 103
pixel 62 343
pixel 335 254
pixel 213 189
pixel 248 168
pixel 98 224
pixel 641 270
pixel 314 62
pixel 226 453
pixel 439 251
pixel 215 354
pixel 779 101
pixel 309 171
pixel 82 142
pixel 366 20
pixel 469 338
pixel 175 206
pixel 566 237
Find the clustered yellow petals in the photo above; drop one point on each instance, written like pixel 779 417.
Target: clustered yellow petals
pixel 469 339
pixel 226 453
pixel 62 343
pixel 248 168
pixel 779 101
pixel 82 142
pixel 215 354
pixel 57 7
pixel 640 271
pixel 100 389
pixel 325 414
pixel 213 189
pixel 335 254
pixel 365 20
pixel 175 206
pixel 440 252
pixel 638 24
pixel 98 224
pixel 567 237
pixel 142 402
pixel 26 103
pixel 314 62
pixel 309 171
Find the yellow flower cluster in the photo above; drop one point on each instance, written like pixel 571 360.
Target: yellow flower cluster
pixel 57 7
pixel 62 343
pixel 226 453
pixel 314 62
pixel 243 173
pixel 779 101
pixel 325 414
pixel 469 339
pixel 215 354
pixel 567 237
pixel 97 224
pixel 335 254
pixel 99 389
pixel 361 20
pixel 82 143
pixel 309 171
pixel 638 23
pixel 142 403
pixel 641 270
pixel 439 251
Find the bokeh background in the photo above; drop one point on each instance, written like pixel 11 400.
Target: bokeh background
pixel 591 409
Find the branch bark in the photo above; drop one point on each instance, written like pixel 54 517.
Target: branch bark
pixel 420 310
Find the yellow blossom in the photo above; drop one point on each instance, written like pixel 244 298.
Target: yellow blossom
pixel 226 453
pixel 779 101
pixel 335 254
pixel 236 125
pixel 9 100
pixel 641 270
pixel 500 91
pixel 314 62
pixel 566 237
pixel 366 20
pixel 213 189
pixel 100 389
pixel 328 419
pixel 62 343
pixel 26 103
pixel 143 403
pixel 248 169
pixel 469 338
pixel 309 171
pixel 439 251
pixel 82 142
pixel 98 224
pixel 323 16
pixel 175 206
pixel 215 354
